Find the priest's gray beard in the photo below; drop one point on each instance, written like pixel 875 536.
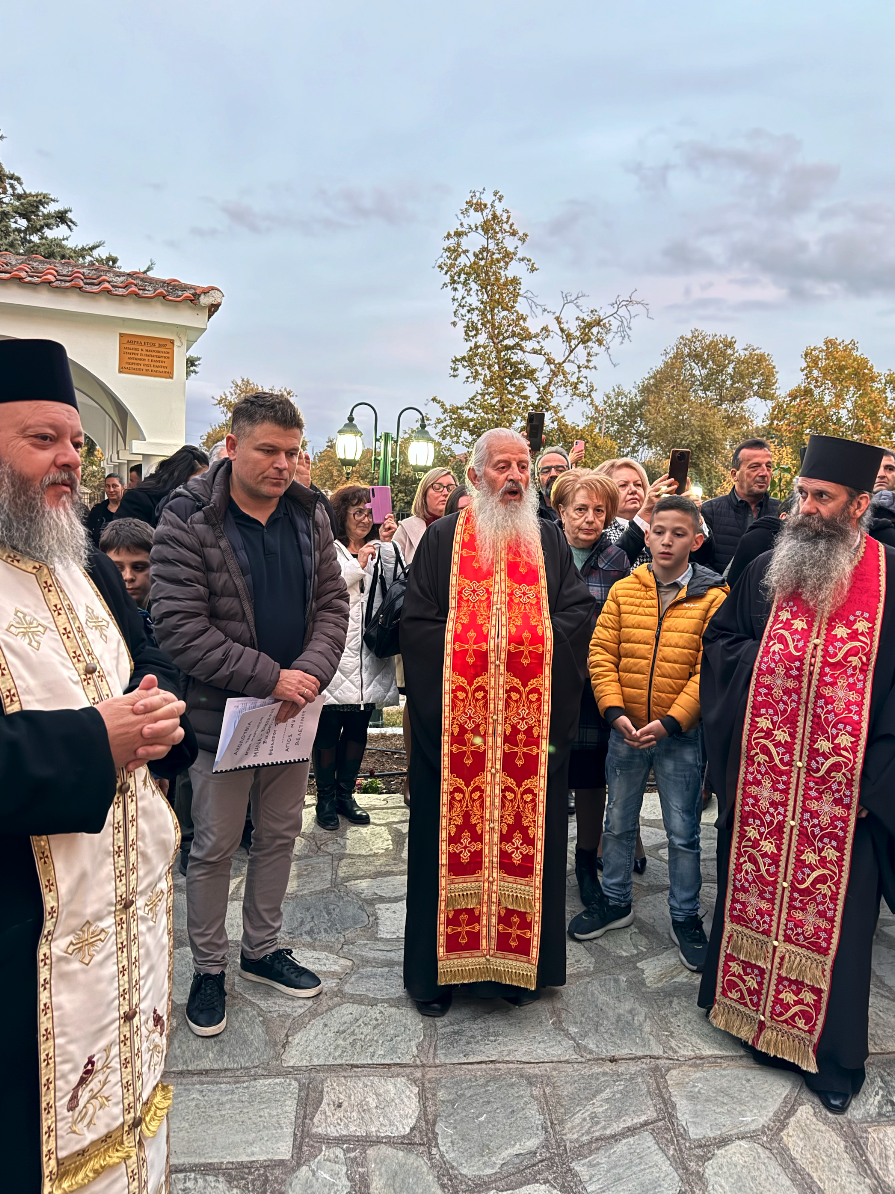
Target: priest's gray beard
pixel 51 535
pixel 813 558
pixel 498 525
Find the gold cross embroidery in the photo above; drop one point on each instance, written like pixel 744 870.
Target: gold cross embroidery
pixel 86 942
pixel 463 928
pixel 517 848
pixel 526 648
pixel 515 932
pixel 95 622
pixel 151 906
pixel 472 743
pixel 471 648
pixel 466 847
pixel 521 750
pixel 26 627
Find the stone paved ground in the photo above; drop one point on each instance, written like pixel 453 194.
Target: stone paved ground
pixel 614 1083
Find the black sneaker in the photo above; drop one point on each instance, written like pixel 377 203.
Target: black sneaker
pixel 599 918
pixel 206 1008
pixel 689 936
pixel 281 970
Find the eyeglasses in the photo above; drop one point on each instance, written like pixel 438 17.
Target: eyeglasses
pixel 552 468
pixel 361 515
pixel 439 488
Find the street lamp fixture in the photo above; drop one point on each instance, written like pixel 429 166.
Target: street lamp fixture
pixel 350 445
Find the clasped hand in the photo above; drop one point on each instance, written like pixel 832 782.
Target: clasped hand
pixel 643 738
pixel 295 689
pixel 142 725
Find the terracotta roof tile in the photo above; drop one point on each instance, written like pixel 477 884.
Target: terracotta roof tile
pixel 99 279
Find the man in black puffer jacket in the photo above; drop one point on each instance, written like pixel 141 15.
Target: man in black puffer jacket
pixel 730 515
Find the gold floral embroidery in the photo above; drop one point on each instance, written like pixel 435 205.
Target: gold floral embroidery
pixel 97 623
pixel 155 1038
pixel 26 627
pixel 153 903
pixel 86 942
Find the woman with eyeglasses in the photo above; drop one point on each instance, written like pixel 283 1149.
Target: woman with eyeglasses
pixel 429 503
pixel 362 681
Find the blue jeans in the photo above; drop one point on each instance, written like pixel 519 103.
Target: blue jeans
pixel 677 762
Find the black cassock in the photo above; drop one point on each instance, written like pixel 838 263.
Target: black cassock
pixel 423 624
pixel 56 776
pixel 730 649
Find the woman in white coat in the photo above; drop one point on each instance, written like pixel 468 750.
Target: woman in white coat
pixel 362 682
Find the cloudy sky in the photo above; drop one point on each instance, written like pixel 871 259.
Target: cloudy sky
pixel 732 163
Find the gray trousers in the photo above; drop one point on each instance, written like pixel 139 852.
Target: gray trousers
pixel 219 809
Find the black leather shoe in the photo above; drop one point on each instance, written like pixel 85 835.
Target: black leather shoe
pixel 435 1007
pixel 524 997
pixel 347 807
pixel 206 1008
pixel 327 817
pixel 281 970
pixel 639 865
pixel 835 1101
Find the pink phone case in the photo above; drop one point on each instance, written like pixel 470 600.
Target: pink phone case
pixel 381 503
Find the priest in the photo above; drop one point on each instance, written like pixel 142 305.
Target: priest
pixel 798 696
pixel 85 835
pixel 494 635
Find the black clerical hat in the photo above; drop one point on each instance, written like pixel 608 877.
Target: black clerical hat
pixel 35 371
pixel 842 461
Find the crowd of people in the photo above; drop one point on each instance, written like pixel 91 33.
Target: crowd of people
pixel 566 636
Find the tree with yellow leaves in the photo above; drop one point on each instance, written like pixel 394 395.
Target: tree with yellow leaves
pixel 841 393
pixel 520 355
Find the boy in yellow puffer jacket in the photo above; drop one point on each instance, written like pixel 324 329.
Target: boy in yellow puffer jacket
pixel 644 667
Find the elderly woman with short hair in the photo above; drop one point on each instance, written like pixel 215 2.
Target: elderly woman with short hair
pixel 586 501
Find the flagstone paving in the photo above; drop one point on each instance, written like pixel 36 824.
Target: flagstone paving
pixel 615 1083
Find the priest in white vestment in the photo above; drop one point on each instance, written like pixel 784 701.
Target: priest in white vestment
pixel 86 836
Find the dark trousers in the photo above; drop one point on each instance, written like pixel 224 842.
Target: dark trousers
pixel 339 745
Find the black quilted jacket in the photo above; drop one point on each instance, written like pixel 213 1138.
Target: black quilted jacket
pixel 727 518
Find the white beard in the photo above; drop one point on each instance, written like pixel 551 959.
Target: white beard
pixel 499 525
pixel 814 558
pixel 30 527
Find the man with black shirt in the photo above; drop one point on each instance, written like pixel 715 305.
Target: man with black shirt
pixel 248 596
pixel 729 517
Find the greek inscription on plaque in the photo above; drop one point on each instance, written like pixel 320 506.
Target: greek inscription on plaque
pixel 149 356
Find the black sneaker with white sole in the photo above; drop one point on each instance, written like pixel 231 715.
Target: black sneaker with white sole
pixel 599 918
pixel 206 1008
pixel 689 936
pixel 281 970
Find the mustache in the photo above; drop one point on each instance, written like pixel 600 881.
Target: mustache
pixel 510 487
pixel 62 477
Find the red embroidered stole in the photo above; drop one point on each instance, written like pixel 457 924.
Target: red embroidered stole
pixel 797 802
pixel 494 747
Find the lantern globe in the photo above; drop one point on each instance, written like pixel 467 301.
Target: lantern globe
pixel 349 443
pixel 421 449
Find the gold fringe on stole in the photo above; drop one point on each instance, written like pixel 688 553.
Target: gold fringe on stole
pixel 749 948
pixel 514 895
pixel 84 1167
pixel 156 1108
pixel 79 1171
pixel 780 1043
pixel 804 969
pixel 735 1020
pixel 463 895
pixel 478 970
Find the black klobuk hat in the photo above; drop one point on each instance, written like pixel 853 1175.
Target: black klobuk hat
pixel 842 461
pixel 35 371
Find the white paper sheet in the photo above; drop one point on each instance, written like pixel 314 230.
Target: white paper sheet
pixel 250 736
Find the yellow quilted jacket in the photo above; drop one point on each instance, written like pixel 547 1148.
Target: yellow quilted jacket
pixel 648 665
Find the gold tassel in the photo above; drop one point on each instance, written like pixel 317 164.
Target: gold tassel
pixel 77 1173
pixel 804 969
pixel 477 970
pixel 748 949
pixel 156 1108
pixel 735 1020
pixel 780 1043
pixel 468 895
pixel 516 897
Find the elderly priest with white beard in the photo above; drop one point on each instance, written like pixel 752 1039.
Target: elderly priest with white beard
pixel 494 635
pixel 797 688
pixel 86 838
